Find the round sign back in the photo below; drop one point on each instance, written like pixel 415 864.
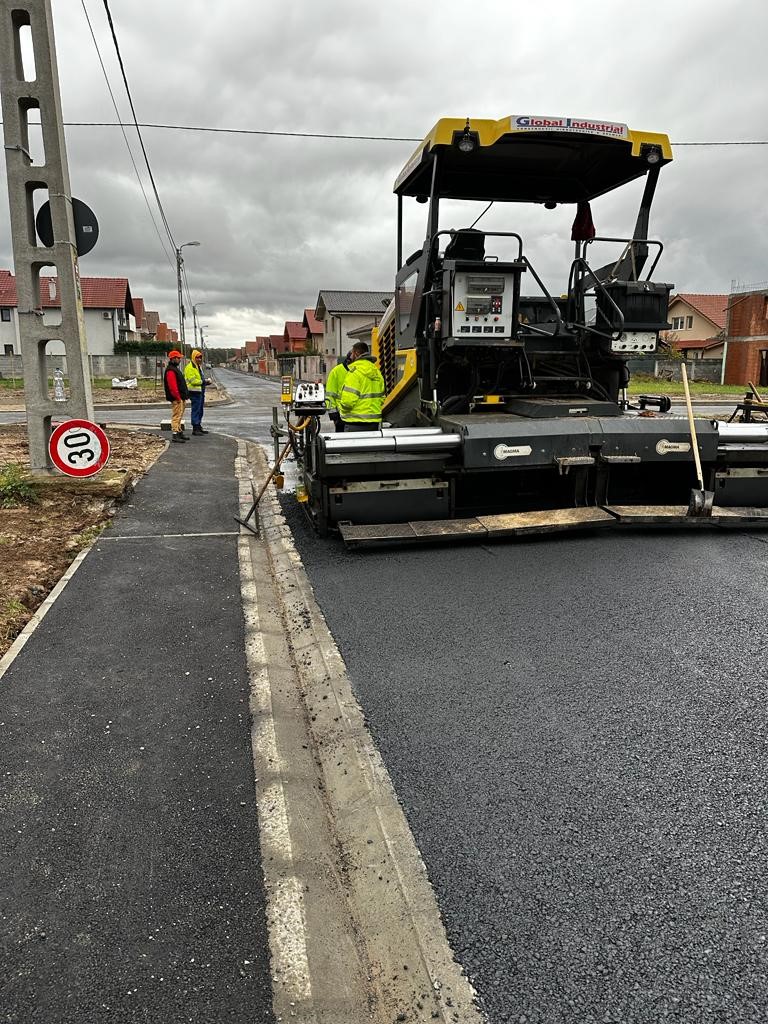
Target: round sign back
pixel 79 448
pixel 86 226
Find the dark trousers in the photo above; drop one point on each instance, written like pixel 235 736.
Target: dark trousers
pixel 339 425
pixel 197 400
pixel 363 426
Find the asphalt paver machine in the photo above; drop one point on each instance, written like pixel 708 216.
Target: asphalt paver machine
pixel 507 408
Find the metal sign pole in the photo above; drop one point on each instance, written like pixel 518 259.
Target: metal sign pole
pixel 25 178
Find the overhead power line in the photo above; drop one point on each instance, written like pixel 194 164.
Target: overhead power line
pixel 186 286
pixel 176 248
pixel 245 131
pixel 125 137
pixel 138 126
pixel 733 143
pixel 331 135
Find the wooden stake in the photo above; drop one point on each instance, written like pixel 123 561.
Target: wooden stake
pixel 692 426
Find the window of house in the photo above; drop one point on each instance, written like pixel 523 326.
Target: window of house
pixel 677 323
pixel 688 323
pixel 8 350
pixel 5 314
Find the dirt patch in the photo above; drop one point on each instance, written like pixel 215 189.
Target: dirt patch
pixel 39 541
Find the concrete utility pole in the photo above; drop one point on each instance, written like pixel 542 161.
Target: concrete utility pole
pixel 39 90
pixel 195 308
pixel 179 285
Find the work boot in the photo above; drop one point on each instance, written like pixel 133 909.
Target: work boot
pixel 178 439
pixel 198 430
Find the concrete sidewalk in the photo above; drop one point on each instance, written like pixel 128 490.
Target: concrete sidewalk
pixel 131 886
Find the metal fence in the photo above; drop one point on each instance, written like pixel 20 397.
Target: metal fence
pixel 100 366
pixel 709 370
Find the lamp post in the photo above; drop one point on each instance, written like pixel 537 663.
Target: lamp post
pixel 202 342
pixel 179 265
pixel 194 319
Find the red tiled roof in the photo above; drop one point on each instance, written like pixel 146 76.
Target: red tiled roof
pixel 278 342
pixel 252 348
pixel 140 313
pixel 313 325
pixel 710 306
pixel 106 293
pixel 98 292
pixel 7 288
pixel 295 331
pixel 683 346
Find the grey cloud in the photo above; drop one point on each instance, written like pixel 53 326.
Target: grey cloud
pixel 281 218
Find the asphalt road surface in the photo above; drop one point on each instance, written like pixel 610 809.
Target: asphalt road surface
pixel 576 729
pixel 249 415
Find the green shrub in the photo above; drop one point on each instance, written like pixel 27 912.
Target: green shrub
pixel 15 487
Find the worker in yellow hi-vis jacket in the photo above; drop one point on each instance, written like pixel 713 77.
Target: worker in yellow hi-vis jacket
pixel 362 395
pixel 196 383
pixel 333 386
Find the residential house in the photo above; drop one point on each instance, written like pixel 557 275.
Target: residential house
pixel 167 335
pixel 691 349
pixel 696 318
pixel 152 319
pixel 342 312
pixel 107 307
pixel 295 335
pixel 314 328
pixel 746 357
pixel 364 333
pixel 140 316
pixel 251 353
pixel 252 349
pixel 9 325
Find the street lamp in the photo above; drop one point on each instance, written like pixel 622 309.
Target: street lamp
pixel 179 265
pixel 195 308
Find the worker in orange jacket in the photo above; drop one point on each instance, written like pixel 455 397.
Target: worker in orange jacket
pixel 176 392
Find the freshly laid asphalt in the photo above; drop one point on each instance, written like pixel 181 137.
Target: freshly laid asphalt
pixel 130 878
pixel 578 732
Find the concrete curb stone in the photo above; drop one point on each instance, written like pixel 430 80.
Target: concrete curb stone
pixel 416 977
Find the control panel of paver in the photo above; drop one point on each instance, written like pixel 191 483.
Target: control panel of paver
pixel 482 305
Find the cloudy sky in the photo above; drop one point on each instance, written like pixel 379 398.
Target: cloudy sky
pixel 281 218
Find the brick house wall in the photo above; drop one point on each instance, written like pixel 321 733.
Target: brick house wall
pixel 747 339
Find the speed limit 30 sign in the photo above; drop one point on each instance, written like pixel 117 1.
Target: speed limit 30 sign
pixel 79 448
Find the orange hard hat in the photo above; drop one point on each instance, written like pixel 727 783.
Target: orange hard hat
pixel 175 355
